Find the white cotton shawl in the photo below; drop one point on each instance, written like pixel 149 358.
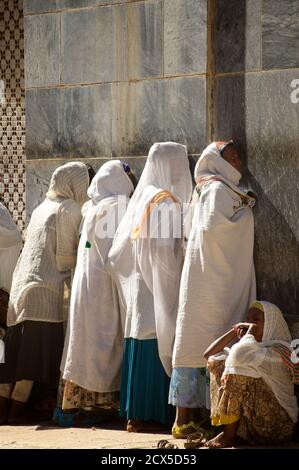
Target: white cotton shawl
pixel 10 247
pixel 50 249
pixel 147 270
pixel 93 348
pixel 69 182
pixel 256 359
pixel 218 277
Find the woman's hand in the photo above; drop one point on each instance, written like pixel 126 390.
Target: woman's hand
pixel 242 329
pixel 220 343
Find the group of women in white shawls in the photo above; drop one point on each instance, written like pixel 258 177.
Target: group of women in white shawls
pixel 158 276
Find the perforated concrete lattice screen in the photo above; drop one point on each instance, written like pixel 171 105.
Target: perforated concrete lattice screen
pixel 12 109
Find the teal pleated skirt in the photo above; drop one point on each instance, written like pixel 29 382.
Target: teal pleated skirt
pixel 144 383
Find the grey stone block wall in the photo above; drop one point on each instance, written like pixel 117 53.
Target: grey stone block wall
pixel 107 78
pixel 39 173
pixel 256 63
pixel 42 54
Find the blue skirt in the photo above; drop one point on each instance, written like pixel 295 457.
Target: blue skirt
pixel 144 383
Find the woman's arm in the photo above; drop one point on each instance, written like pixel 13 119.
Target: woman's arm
pixel 220 343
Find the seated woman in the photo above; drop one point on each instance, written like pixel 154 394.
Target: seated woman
pixel 252 389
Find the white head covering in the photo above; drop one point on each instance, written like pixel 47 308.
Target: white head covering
pixel 166 168
pixel 212 167
pixel 69 181
pixel 211 163
pixel 110 180
pixel 275 326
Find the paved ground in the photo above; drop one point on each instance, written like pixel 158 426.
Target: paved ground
pixel 48 436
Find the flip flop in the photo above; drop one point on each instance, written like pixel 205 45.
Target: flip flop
pixel 179 432
pixel 198 439
pixel 164 444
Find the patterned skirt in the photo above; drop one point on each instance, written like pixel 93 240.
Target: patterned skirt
pixel 72 396
pixel 262 420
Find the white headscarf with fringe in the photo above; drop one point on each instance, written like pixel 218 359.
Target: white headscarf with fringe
pixel 218 278
pixel 258 359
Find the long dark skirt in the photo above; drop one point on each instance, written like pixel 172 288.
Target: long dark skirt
pixel 33 351
pixel 144 383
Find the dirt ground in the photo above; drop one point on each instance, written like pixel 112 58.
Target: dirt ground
pixel 49 436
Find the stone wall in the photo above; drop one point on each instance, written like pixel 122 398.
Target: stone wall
pixel 107 78
pixel 256 61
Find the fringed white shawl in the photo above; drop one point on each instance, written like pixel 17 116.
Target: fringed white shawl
pixel 218 278
pixel 50 249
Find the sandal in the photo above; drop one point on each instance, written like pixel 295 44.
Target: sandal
pixel 198 439
pixel 164 444
pixel 194 441
pixel 180 432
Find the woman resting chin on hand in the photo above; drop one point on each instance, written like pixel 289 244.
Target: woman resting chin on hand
pixel 252 388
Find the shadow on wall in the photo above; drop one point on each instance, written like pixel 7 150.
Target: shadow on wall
pixel 230 55
pixel 255 110
pixel 276 254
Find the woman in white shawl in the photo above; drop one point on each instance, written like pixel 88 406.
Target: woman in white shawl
pixel 146 261
pixel 10 247
pixel 218 279
pixel 94 346
pixel 252 385
pixel 34 338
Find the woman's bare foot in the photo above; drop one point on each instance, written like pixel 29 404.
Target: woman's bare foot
pixel 135 425
pixel 226 438
pixel 220 441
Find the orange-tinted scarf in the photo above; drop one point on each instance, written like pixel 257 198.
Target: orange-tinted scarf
pixel 157 199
